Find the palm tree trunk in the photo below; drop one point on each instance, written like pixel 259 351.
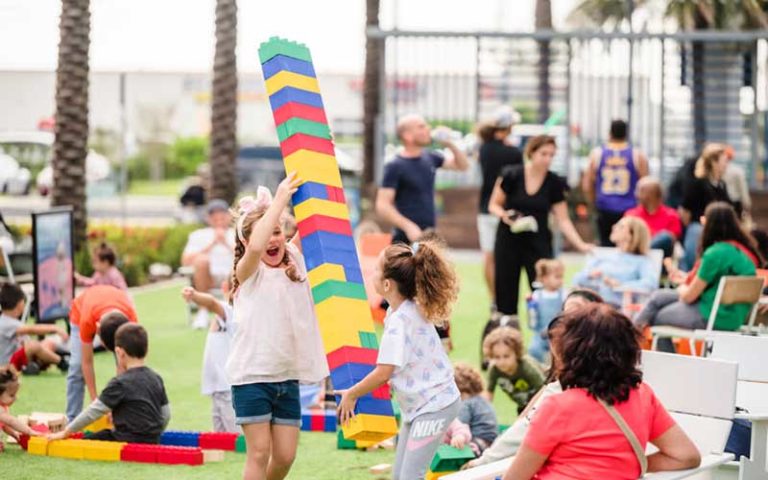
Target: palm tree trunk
pixel 371 107
pixel 70 146
pixel 224 104
pixel 544 22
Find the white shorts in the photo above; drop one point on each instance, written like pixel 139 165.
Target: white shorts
pixel 486 228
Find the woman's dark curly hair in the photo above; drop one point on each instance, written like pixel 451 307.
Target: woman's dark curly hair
pixel 599 350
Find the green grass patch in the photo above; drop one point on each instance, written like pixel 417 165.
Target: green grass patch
pixel 169 188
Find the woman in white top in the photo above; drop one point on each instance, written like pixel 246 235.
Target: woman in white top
pixel 421 288
pixel 276 343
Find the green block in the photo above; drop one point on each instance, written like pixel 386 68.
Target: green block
pixel 502 428
pixel 301 125
pixel 344 444
pixel 396 410
pixel 368 340
pixel 281 46
pixel 240 444
pixel 337 288
pixel 449 459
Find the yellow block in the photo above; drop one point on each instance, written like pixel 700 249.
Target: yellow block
pixel 38 446
pixel 104 451
pixel 314 167
pixel 435 475
pixel 325 272
pixel 315 206
pixel 66 449
pixel 100 424
pixel 291 79
pixel 370 428
pixel 346 311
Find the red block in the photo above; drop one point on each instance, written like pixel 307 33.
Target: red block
pixel 169 455
pixel 299 110
pixel 77 436
pixel 317 421
pixel 218 441
pixel 314 223
pixel 306 142
pixel 382 393
pixel 24 441
pixel 336 194
pixel 340 356
pixel 139 452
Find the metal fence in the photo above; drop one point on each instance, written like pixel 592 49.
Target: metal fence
pixel 678 90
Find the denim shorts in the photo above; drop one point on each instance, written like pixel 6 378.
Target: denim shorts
pixel 276 403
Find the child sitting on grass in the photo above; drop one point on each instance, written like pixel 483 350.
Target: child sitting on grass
pixel 516 374
pixel 25 354
pixel 214 380
pixel 136 397
pixel 544 304
pixel 103 259
pixel 9 388
pixel 475 412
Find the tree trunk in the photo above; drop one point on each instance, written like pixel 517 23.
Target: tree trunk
pixel 70 146
pixel 224 104
pixel 371 107
pixel 544 22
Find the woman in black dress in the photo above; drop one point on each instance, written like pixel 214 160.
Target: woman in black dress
pixel 522 199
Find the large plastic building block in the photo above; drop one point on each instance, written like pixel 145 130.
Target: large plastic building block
pixel 325 272
pixel 314 167
pixel 370 428
pixel 369 405
pixel 316 420
pixel 218 441
pixel 299 110
pixel 66 449
pixel 336 194
pixel 290 79
pixel 343 443
pixel 321 223
pixel 37 446
pixel 314 206
pixel 279 63
pixel 139 452
pixel 346 375
pixel 174 455
pixel 211 456
pixel 345 258
pixel 435 475
pixel 335 288
pixel 368 340
pixel 100 424
pixel 181 439
pixel 450 459
pixel 280 46
pixel 307 142
pixel 346 313
pixel 349 354
pixel 309 190
pixel 321 240
pixel 291 94
pixel 240 444
pixel 103 451
pixel 299 125
pixel 382 393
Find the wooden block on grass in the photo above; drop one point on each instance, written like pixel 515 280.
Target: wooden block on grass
pixel 213 456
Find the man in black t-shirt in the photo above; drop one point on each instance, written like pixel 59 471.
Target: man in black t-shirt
pixel 136 397
pixel 406 196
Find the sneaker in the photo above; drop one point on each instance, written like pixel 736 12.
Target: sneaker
pixel 31 368
pixel 63 365
pixel 201 320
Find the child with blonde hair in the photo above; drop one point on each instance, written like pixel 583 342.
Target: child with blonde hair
pixel 421 287
pixel 517 374
pixel 276 342
pixel 9 389
pixel 544 304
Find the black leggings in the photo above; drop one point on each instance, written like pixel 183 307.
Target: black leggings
pixel 605 222
pixel 513 252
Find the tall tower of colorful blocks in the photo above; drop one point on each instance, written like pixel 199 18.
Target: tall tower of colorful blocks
pixel 342 310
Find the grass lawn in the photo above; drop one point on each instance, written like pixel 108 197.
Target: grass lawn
pixel 171 188
pixel 176 353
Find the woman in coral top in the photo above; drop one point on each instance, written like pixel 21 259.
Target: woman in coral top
pixel 597 350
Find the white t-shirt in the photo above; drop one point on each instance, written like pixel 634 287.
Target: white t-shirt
pixel 423 377
pixel 221 256
pixel 215 354
pixel 276 337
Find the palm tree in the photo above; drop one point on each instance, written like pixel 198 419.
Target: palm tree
pixel 544 22
pixel 70 145
pixel 371 89
pixel 224 104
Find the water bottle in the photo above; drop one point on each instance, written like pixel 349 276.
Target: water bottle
pixel 533 316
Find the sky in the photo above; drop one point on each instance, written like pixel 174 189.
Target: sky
pixel 178 35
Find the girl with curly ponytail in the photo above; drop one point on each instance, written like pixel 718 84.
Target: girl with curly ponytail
pixel 421 287
pixel 276 341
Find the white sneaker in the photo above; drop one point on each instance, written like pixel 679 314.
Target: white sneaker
pixel 201 320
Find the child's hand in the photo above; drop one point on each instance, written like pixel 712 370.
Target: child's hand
pixel 458 442
pixel 287 187
pixel 346 408
pixel 58 436
pixel 188 293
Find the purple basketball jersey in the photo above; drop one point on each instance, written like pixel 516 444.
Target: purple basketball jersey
pixel 616 180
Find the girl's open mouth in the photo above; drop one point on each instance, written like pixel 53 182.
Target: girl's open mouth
pixel 273 251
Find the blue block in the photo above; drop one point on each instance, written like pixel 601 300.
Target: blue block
pixel 180 439
pixel 373 406
pixel 293 94
pixel 353 273
pixel 327 241
pixel 279 63
pixel 330 421
pixel 345 376
pixel 310 190
pixel 315 257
